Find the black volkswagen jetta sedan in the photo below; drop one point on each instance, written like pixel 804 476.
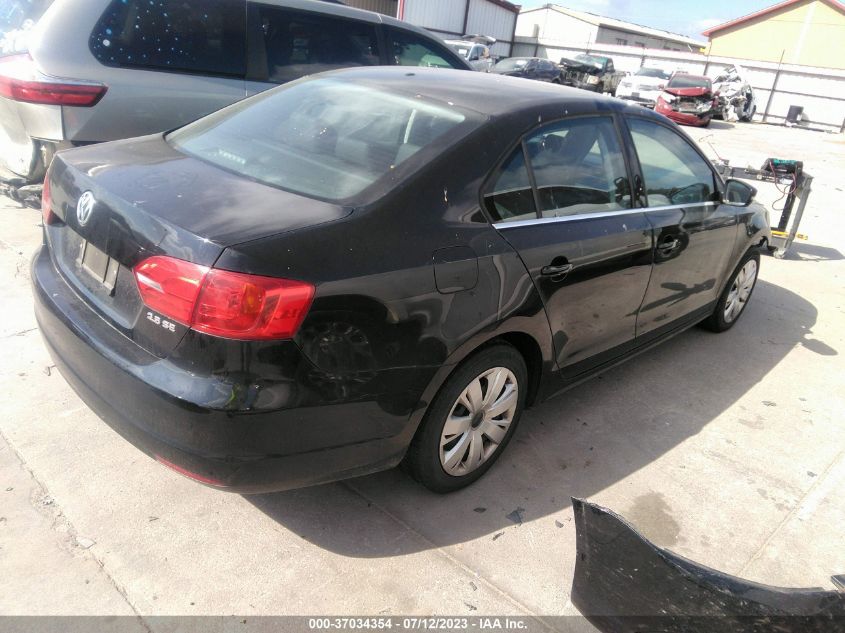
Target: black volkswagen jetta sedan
pixel 376 265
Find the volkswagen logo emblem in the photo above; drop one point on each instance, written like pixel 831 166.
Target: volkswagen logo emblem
pixel 84 207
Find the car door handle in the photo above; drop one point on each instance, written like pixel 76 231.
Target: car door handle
pixel 556 270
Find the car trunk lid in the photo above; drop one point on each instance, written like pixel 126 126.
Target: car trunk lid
pixel 120 203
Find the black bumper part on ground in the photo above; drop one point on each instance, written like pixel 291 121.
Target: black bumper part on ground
pixel 625 584
pixel 166 412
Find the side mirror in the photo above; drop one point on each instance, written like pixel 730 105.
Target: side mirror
pixel 738 193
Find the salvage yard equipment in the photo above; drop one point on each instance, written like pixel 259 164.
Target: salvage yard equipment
pixel 794 185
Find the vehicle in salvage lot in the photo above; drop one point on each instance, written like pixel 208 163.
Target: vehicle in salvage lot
pixel 595 73
pixel 101 70
pixel 476 50
pixel 688 99
pixel 644 86
pixel 536 68
pixel 735 95
pixel 329 278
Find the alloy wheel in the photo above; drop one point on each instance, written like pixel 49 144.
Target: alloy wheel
pixel 741 289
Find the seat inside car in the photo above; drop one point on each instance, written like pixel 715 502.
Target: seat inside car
pixel 570 171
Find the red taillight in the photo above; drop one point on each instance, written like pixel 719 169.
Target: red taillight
pixel 170 286
pixel 223 303
pixel 20 80
pixel 47 215
pixel 235 305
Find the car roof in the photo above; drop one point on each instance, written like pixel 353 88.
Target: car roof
pixel 489 94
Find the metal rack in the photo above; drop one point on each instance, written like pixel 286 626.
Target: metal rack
pixel 786 231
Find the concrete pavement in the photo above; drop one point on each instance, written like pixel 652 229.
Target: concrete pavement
pixel 728 449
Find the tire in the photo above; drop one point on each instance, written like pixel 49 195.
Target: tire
pixel 452 464
pixel 736 295
pixel 750 117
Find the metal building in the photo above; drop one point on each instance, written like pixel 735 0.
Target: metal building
pixel 451 19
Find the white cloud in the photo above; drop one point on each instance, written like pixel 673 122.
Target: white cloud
pixel 703 25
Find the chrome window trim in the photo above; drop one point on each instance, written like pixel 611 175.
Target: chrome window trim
pixel 598 214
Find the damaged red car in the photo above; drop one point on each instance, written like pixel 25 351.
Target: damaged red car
pixel 688 100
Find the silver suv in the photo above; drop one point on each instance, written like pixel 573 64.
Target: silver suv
pixel 100 70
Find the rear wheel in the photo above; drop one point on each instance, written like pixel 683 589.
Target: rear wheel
pixel 470 421
pixel 736 295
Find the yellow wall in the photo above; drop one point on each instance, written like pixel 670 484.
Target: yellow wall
pixel 810 34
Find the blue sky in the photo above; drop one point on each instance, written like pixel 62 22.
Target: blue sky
pixel 689 17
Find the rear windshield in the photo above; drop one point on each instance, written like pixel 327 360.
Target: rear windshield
pixel 592 59
pixel 652 72
pixel 688 81
pixel 17 18
pixel 513 63
pixel 461 50
pixel 207 37
pixel 324 138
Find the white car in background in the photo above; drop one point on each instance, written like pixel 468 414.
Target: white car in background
pixel 476 50
pixel 644 86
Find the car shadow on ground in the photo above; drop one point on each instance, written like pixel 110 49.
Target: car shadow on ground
pixel 576 444
pixel 719 124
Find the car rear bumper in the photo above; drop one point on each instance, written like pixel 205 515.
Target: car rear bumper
pixel 160 408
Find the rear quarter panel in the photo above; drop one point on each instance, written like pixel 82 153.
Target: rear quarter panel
pixel 379 319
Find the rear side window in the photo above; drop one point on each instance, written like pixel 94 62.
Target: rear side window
pixel 578 167
pixel 325 138
pixel 206 37
pixel 295 44
pixel 409 49
pixel 673 171
pixel 511 197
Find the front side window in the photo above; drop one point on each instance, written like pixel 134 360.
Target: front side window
pixel 511 197
pixel 297 44
pixel 325 138
pixel 198 37
pixel 673 171
pixel 578 167
pixel 409 49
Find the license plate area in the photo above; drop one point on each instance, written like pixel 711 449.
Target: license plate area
pixel 98 266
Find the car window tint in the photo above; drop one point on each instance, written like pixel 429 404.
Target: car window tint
pixel 199 37
pixel 298 44
pixel 325 137
pixel 673 171
pixel 511 197
pixel 578 167
pixel 409 49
